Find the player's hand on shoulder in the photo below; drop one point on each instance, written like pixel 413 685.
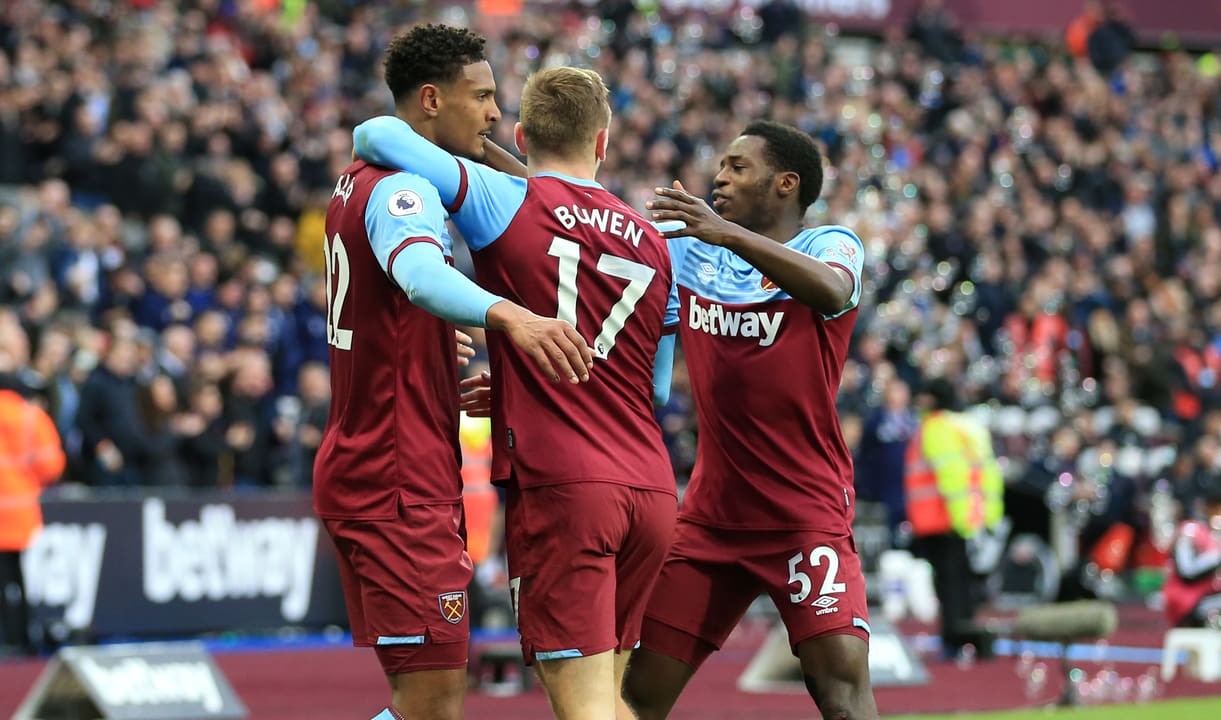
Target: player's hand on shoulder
pixel 556 347
pixel 698 218
pixel 476 397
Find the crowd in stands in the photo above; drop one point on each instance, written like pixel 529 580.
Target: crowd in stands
pixel 1042 230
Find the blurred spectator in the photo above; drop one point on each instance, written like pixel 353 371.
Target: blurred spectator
pixel 114 437
pixel 31 458
pixel 1193 585
pixel 248 416
pixel 299 423
pixel 1077 36
pixel 1111 41
pixel 935 30
pixel 204 442
pixel 880 456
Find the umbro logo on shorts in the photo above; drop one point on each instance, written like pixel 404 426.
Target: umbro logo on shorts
pixel 453 606
pixel 827 605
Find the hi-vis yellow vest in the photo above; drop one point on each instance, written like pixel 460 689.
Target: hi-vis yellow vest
pixel 951 478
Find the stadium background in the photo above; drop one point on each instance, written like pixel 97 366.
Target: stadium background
pixel 1041 215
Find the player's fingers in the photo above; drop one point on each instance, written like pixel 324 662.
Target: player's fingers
pixel 562 359
pixel 680 196
pixel 587 353
pixel 664 215
pixel 543 359
pixel 678 185
pixel 463 338
pixel 483 379
pixel 576 352
pixel 474 399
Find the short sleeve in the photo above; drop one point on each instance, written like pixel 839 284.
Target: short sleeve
pixel 403 209
pixel 839 247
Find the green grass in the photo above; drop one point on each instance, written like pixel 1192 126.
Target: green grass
pixel 1190 709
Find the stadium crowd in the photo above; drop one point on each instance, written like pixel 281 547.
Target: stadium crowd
pixel 1042 230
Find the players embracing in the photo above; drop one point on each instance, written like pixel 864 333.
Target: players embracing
pixel 766 310
pixel 386 478
pixel 591 497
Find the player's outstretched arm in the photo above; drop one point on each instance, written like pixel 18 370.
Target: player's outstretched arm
pixel 432 284
pixel 390 142
pixel 482 201
pixel 554 345
pixel 825 288
pixel 500 159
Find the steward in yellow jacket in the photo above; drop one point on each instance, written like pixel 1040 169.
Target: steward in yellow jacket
pixel 954 490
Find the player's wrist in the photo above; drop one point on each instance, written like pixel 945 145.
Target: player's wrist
pixel 504 315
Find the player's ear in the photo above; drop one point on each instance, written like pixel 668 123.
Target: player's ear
pixel 787 183
pixel 430 99
pixel 600 143
pixel 519 137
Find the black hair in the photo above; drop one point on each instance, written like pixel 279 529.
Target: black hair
pixel 430 54
pixel 943 394
pixel 791 150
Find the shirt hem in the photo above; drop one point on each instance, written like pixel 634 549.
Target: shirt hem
pixel 391 515
pixel 847 530
pixel 508 481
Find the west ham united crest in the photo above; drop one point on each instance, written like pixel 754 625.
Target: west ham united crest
pixel 453 606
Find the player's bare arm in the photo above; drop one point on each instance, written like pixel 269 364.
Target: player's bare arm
pixel 500 159
pixel 824 288
pixel 555 346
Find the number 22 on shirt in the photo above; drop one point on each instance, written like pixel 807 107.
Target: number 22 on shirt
pixel 338 276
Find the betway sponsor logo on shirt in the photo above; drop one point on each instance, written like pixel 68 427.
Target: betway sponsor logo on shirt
pixel 716 320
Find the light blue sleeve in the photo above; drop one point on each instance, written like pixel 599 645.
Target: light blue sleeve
pixel 403 208
pixel 439 288
pixel 406 225
pixel 678 253
pixel 481 200
pixel 663 370
pixel 835 245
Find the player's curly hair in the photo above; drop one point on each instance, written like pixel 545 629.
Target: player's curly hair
pixel 430 54
pixel 791 150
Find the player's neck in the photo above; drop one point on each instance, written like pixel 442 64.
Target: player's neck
pixel 783 230
pixel 561 166
pixel 421 123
